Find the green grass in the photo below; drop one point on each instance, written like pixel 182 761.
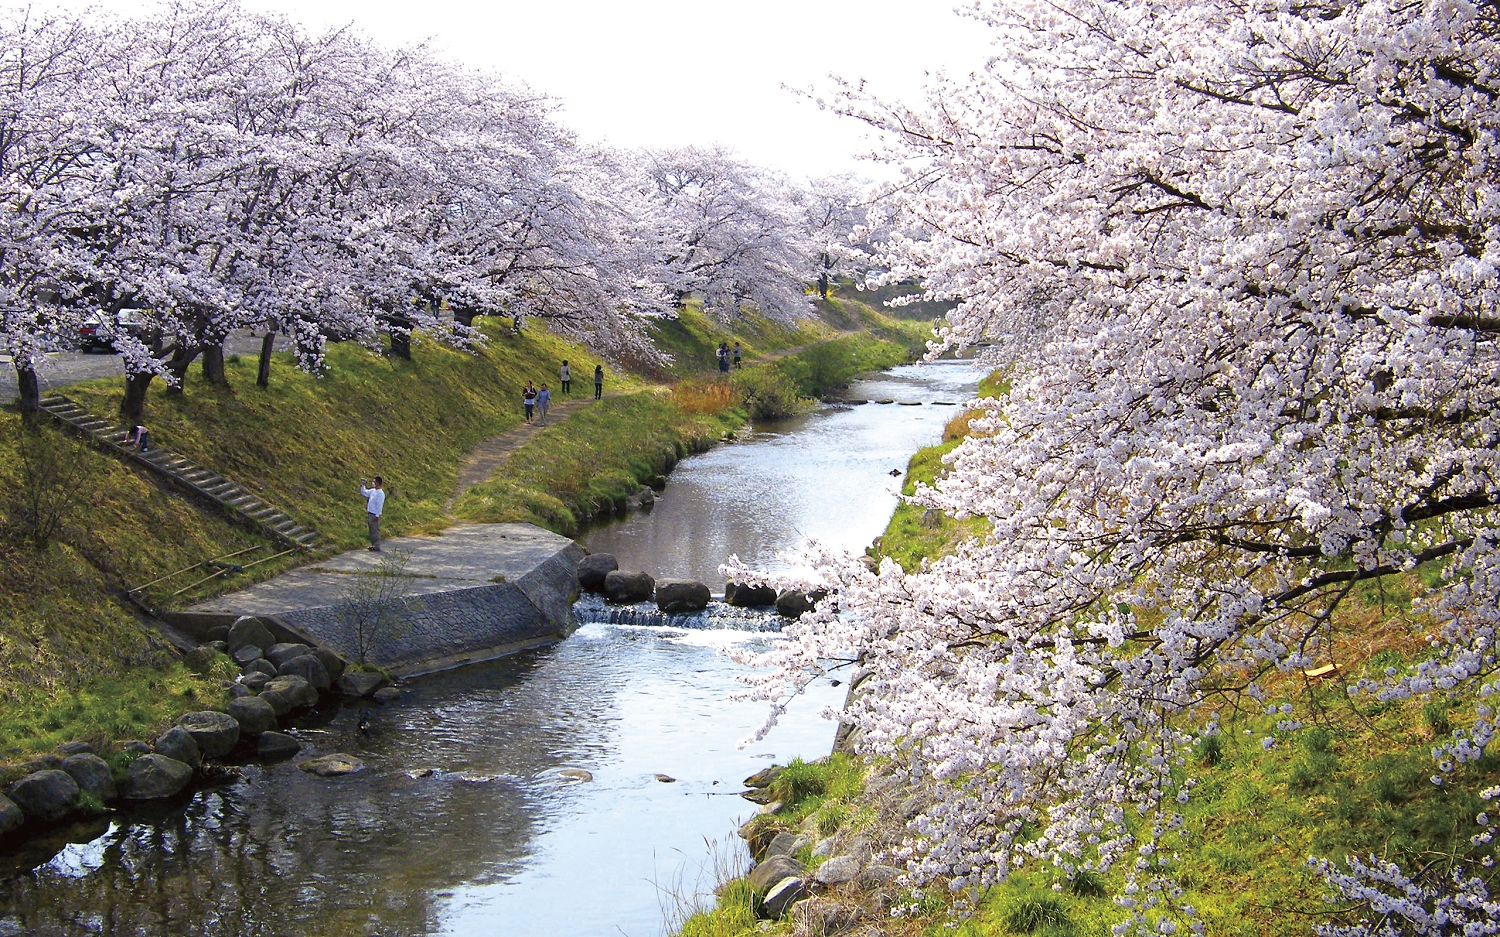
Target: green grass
pixel 691 337
pixel 137 702
pixel 574 471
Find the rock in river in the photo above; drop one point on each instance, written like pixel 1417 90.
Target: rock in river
pixel 279 654
pixel 593 568
pixel 289 692
pixel 11 816
pixel 628 586
pixel 575 774
pixel 277 745
pixel 681 595
pixel 360 683
pixel 216 733
pixel 743 596
pixel 247 631
pixel 178 744
pixel 308 668
pixel 156 776
pixel 46 795
pixel 91 775
pixel 254 715
pixel 332 766
pixel 792 604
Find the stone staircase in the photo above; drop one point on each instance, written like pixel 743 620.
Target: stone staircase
pixel 233 498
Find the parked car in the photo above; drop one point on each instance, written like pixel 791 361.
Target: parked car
pixel 97 333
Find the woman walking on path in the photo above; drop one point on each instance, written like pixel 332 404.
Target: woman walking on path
pixel 723 355
pixel 528 400
pixel 598 381
pixel 544 402
pixel 567 379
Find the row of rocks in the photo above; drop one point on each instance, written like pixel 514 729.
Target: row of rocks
pixel 600 573
pixel 276 678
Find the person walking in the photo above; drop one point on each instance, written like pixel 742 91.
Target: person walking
pixel 736 354
pixel 543 402
pixel 723 355
pixel 598 381
pixel 567 379
pixel 374 507
pixel 528 400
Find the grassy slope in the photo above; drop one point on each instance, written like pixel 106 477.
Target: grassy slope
pixel 303 443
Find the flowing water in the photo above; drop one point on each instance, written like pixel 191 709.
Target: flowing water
pixel 460 823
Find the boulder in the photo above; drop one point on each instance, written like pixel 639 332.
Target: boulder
pixel 247 631
pixel 11 816
pixel 593 568
pixel 247 655
pixel 783 845
pixel 823 848
pixel 386 694
pixel 840 870
pixel 135 747
pixel 792 603
pixel 76 748
pixel 294 689
pixel 743 596
pixel 221 646
pixel 254 681
pixel 260 665
pixel 624 586
pixel 279 654
pixel 764 776
pixel 681 595
pixel 216 733
pixel 179 745
pixel 200 659
pixel 156 776
pixel 277 745
pixel 332 766
pixel 782 896
pixel 877 876
pixel 773 870
pixel 254 714
pixel 45 795
pixel 91 775
pixel 575 774
pixel 308 668
pixel 331 662
pixel 216 633
pixel 360 683
pixel 41 763
pixel 239 690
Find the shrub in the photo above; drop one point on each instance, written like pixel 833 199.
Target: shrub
pixel 766 393
pixel 1034 912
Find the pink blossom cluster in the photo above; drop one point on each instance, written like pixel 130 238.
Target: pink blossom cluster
pixel 1238 261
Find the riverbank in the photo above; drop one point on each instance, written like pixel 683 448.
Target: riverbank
pixel 1352 779
pixel 74 652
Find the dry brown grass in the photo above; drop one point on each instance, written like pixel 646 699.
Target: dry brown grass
pixel 699 397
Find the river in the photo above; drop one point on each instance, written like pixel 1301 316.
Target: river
pixel 460 823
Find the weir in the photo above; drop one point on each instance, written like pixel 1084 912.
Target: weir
pixel 469 594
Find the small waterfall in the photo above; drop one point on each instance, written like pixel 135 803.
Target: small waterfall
pixel 591 609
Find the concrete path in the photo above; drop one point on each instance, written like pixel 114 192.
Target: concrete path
pixel 70 367
pixel 471 593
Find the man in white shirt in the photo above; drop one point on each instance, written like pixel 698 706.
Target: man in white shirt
pixel 374 506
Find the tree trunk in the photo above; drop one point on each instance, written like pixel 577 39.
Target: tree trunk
pixel 178 366
pixel 400 332
pixel 464 317
pixel 263 374
pixel 133 405
pixel 213 366
pixel 30 392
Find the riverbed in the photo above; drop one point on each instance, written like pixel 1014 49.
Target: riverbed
pixel 460 823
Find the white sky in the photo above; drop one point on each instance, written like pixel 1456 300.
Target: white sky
pixel 674 72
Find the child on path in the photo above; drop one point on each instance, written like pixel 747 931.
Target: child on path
pixel 567 379
pixel 544 402
pixel 374 507
pixel 598 381
pixel 139 439
pixel 528 400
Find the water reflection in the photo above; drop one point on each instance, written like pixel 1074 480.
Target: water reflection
pixel 824 476
pixel 491 840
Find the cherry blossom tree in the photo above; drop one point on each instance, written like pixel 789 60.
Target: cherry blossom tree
pixel 1240 261
pixel 50 188
pixel 728 233
pixel 833 208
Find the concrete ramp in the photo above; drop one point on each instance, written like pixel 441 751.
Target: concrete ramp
pixel 471 593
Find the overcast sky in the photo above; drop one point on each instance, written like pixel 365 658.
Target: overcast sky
pixel 673 72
